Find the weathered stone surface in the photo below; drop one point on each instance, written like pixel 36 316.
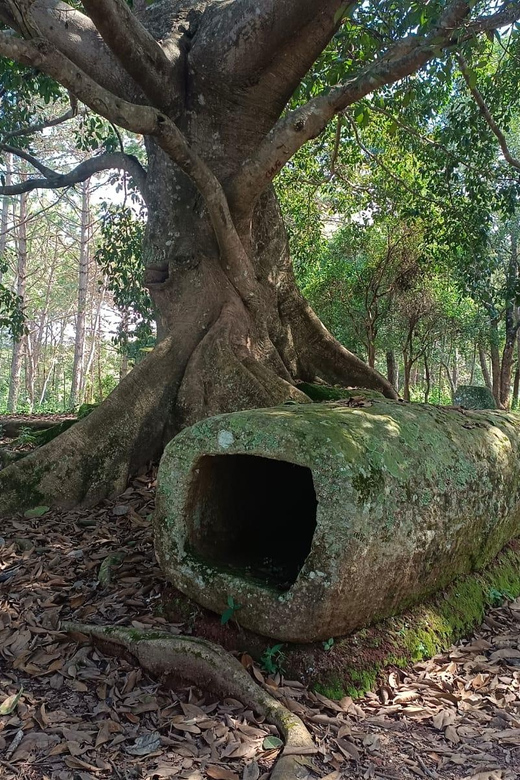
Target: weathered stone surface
pixel 474 397
pixel 318 519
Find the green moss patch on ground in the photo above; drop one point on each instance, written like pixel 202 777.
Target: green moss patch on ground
pixel 319 393
pixel 352 665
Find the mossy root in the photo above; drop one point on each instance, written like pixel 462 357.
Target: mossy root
pixel 210 667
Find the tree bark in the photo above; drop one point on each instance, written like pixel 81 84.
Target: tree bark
pixel 473 363
pixel 511 325
pixel 427 379
pixel 392 369
pixel 79 342
pixel 407 370
pixel 516 383
pixel 95 329
pixel 4 217
pixel 455 373
pixel 484 367
pixel 19 344
pixel 494 339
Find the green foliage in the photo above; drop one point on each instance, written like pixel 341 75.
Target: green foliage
pixel 399 215
pixel 38 511
pixel 93 133
pixel 497 597
pixel 272 659
pixel 272 743
pixel 27 436
pixel 119 256
pixel 229 612
pixel 11 312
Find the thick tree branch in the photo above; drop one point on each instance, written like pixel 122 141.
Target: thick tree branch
pixel 269 45
pixel 486 113
pixel 41 54
pixel 139 53
pixel 146 121
pixel 24 155
pixel 244 35
pixel 20 12
pixel 76 37
pixel 82 172
pixel 308 121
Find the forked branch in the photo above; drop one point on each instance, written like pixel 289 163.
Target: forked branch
pixel 486 113
pixel 138 52
pixel 75 35
pixel 306 122
pixel 53 180
pixel 145 120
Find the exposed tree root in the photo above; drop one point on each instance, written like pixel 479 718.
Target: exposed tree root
pixel 94 457
pixel 225 374
pixel 210 667
pixel 11 427
pixel 321 355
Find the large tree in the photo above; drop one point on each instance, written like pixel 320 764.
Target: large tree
pixel 208 83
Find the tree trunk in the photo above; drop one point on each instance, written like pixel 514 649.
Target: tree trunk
pixel 371 332
pixel 123 365
pixel 19 343
pixel 452 379
pixel 41 340
pixel 473 363
pixel 234 332
pixel 516 384
pixel 95 328
pixel 511 326
pixel 30 366
pixel 455 373
pixel 407 370
pixel 427 379
pixel 484 367
pixel 392 369
pixel 4 217
pixel 79 343
pixel 495 361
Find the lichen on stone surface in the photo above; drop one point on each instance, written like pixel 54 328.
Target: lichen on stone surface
pixel 409 496
pixel 474 397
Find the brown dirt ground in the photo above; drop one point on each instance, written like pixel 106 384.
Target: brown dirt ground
pixel 69 712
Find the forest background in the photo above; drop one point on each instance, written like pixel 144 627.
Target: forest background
pixel 403 225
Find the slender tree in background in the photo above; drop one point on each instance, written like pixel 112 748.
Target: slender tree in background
pixel 84 257
pixel 4 218
pixel 20 342
pixel 208 84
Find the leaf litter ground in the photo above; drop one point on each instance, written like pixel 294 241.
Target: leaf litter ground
pixel 69 712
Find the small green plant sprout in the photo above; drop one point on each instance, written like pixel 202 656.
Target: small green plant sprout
pixel 272 659
pixel 230 610
pixel 26 436
pixel 497 597
pixel 38 511
pixel 328 644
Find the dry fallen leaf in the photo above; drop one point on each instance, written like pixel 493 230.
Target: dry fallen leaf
pixel 452 735
pixel 444 718
pixel 144 745
pixel 220 773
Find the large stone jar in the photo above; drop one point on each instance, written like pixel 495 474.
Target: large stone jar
pixel 320 518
